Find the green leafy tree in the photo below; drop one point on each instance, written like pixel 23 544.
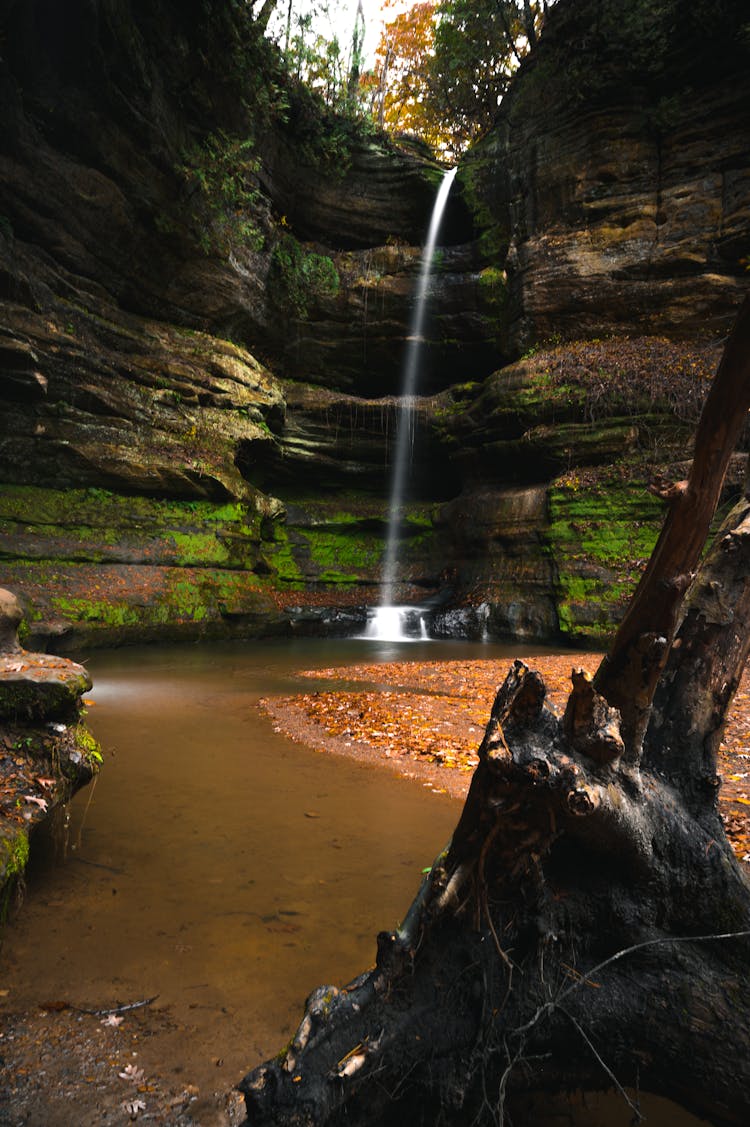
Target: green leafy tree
pixel 299 277
pixel 478 45
pixel 316 54
pixel 220 176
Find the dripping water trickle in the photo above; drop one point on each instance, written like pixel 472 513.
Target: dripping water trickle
pixel 389 622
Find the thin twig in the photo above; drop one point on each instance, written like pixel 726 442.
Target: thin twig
pixel 481 884
pixel 649 943
pixel 125 1008
pixel 605 1066
pixel 548 1007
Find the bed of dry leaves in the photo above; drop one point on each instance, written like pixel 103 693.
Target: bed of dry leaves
pixel 426 719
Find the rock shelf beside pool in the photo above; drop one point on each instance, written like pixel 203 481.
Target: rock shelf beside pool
pixel 46 751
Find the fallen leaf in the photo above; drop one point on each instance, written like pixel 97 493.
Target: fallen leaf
pixel 40 802
pixel 133 1107
pixel 133 1073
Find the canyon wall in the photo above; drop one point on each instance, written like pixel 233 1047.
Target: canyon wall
pixel 205 295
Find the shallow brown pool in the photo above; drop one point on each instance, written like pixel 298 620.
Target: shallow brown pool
pixel 223 868
pixel 215 863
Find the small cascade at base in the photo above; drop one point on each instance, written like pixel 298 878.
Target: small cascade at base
pixel 396 624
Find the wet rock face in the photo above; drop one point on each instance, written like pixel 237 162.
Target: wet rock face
pixel 332 441
pixel 371 197
pixel 111 373
pixel 107 399
pixel 102 183
pixel 355 340
pixel 612 197
pixel 500 565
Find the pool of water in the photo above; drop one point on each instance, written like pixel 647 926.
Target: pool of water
pixel 215 863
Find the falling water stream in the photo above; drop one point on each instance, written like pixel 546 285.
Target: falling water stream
pixel 389 622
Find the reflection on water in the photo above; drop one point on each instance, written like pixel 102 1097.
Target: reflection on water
pixel 214 862
pixel 226 869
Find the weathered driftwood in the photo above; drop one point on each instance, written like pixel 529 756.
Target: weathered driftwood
pixel 588 925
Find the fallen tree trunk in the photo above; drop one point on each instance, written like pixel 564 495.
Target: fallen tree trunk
pixel 588 926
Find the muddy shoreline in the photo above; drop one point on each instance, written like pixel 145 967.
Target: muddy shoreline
pixel 419 720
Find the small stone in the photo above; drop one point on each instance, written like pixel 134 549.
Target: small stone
pixel 10 619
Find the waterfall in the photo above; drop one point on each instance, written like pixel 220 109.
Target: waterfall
pixel 389 622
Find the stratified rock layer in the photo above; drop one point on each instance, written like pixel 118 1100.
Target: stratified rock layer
pixel 616 186
pixel 197 384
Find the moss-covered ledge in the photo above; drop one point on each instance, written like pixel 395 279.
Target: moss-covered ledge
pixel 46 752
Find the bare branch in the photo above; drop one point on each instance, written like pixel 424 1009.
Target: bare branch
pixel 265 14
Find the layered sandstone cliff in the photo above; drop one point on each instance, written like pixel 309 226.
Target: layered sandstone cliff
pixel 616 185
pixel 197 386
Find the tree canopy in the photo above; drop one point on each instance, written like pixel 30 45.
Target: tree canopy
pixel 440 70
pixel 478 44
pixel 314 48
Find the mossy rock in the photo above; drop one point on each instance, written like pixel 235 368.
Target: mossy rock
pixel 39 687
pixel 14 856
pixel 601 534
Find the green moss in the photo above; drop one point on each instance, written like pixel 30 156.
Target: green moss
pixel 350 552
pixel 17 856
pixel 324 542
pixel 494 282
pixel 95 610
pixel 96 526
pixel 324 555
pixel 281 557
pixel 14 857
pixel 477 175
pixel 297 278
pixel 138 567
pixel 421 519
pixel 89 747
pixel 198 547
pixel 600 537
pixel 156 600
pixel 76 510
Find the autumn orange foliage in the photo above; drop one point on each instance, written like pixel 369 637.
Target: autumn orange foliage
pixel 399 83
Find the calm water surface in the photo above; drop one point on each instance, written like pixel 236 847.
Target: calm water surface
pixel 216 863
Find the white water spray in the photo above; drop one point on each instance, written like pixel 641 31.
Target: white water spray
pixel 390 622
